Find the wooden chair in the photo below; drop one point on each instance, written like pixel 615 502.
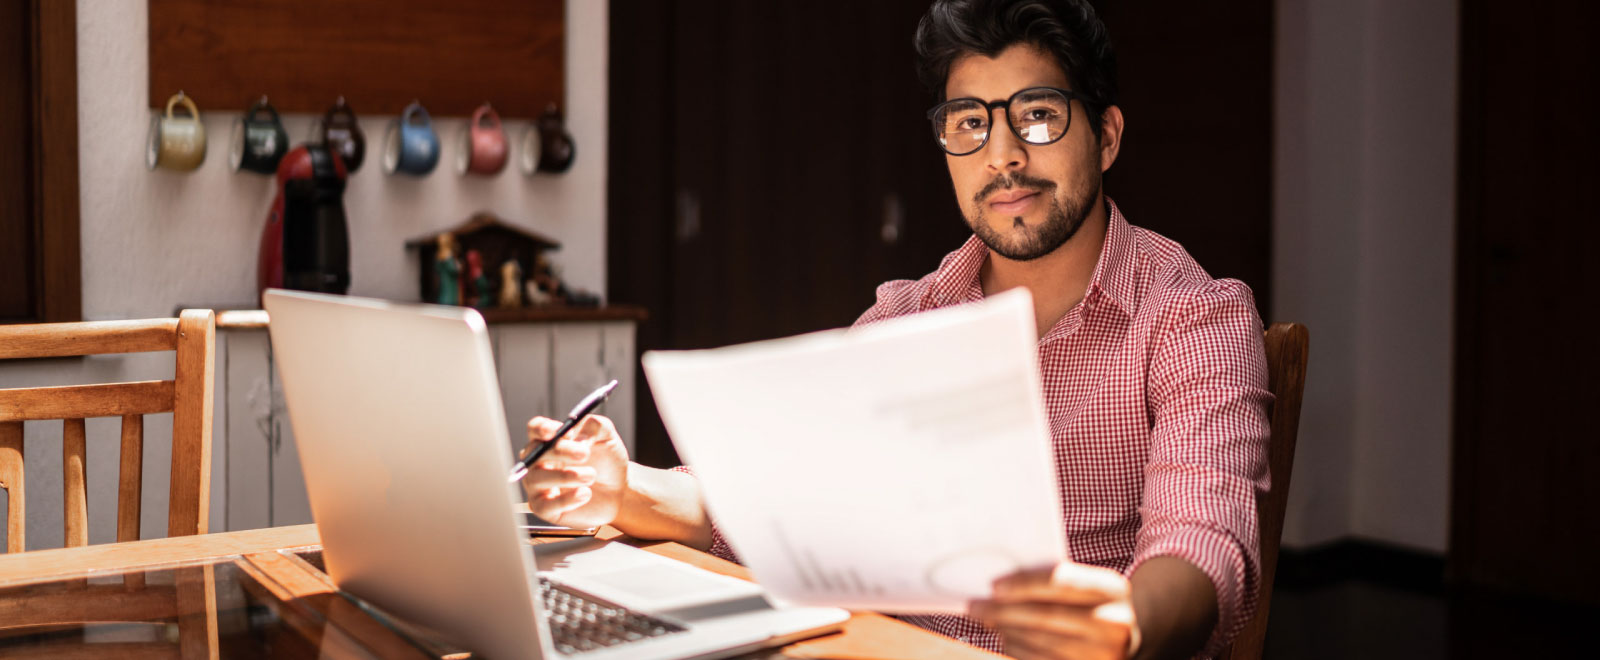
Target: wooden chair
pixel 188 397
pixel 1287 345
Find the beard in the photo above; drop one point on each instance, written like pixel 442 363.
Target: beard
pixel 1024 243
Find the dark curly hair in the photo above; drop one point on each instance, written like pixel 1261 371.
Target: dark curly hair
pixel 1068 30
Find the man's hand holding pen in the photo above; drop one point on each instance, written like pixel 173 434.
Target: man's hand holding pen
pixel 576 473
pixel 580 480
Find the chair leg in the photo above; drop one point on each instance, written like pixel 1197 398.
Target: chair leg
pixel 197 613
pixel 190 497
pixel 11 480
pixel 75 493
pixel 130 481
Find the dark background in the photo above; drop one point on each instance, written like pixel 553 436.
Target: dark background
pixel 16 124
pixel 39 255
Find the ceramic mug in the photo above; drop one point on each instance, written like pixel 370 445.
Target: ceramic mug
pixel 259 142
pixel 342 135
pixel 411 146
pixel 547 146
pixel 176 142
pixel 483 144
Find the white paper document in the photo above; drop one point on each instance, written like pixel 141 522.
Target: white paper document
pixel 901 467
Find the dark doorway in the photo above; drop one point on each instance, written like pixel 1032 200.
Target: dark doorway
pixel 39 275
pixel 1526 458
pixel 16 199
pixel 770 163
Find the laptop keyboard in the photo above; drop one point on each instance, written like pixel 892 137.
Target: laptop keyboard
pixel 579 623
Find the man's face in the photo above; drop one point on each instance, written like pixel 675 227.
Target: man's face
pixel 1023 200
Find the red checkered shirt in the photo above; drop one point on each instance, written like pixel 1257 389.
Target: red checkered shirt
pixel 1156 389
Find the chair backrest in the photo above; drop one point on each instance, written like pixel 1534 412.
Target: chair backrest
pixel 188 396
pixel 1287 345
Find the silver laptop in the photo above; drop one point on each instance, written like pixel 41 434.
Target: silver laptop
pixel 402 437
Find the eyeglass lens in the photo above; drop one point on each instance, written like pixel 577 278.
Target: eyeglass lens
pixel 1038 116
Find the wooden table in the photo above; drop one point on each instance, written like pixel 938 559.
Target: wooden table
pixel 178 580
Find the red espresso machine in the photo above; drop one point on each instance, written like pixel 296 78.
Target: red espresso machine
pixel 306 242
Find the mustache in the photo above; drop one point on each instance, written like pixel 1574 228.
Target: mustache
pixel 1013 180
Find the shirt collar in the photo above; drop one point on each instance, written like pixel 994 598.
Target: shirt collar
pixel 957 280
pixel 1113 274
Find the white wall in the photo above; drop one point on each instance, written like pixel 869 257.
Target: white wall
pixel 1364 245
pixel 154 240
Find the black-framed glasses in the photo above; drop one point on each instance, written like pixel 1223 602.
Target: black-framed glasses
pixel 1037 115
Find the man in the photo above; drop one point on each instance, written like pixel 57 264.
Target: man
pixel 1154 374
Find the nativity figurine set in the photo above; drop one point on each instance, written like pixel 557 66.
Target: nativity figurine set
pixel 488 263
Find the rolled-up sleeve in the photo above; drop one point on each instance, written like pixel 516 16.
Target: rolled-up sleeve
pixel 719 543
pixel 1208 396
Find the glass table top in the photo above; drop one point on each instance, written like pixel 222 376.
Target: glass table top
pixel 214 608
pixel 187 611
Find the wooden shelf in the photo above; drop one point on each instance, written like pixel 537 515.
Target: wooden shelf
pixel 378 54
pixel 256 319
pixel 556 314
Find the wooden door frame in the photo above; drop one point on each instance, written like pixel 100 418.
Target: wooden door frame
pixel 57 285
pixel 1469 215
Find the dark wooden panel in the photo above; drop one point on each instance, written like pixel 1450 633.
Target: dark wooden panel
pixel 639 208
pixel 791 141
pixel 16 143
pixel 39 254
pixel 1196 161
pixel 901 164
pixel 55 164
pixel 378 54
pixel 1525 460
pixel 737 211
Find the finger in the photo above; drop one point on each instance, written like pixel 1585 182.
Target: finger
pixel 545 476
pixel 1067 582
pixel 1023 647
pixel 1069 621
pixel 585 474
pixel 556 501
pixel 591 426
pixel 559 512
pixel 1116 612
pixel 564 452
pixel 543 509
pixel 567 451
pixel 1025 578
pixel 540 429
pixel 1030 644
pixel 595 428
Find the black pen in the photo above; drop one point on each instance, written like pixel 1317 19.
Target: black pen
pixel 580 411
